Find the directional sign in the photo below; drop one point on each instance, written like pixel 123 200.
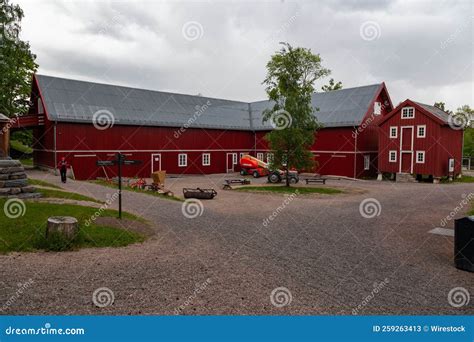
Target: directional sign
pixel 105 162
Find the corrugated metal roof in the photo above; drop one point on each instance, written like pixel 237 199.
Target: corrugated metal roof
pixel 77 101
pixel 442 115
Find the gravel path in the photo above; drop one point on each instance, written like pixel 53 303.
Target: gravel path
pixel 330 258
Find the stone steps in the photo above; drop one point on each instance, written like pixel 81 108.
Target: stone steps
pixel 405 178
pixel 13 180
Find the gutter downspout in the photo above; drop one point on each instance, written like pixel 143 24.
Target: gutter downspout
pixel 355 153
pixel 55 150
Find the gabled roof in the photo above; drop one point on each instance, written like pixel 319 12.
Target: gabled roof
pixel 77 101
pixel 434 113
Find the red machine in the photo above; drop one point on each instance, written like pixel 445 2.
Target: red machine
pixel 253 166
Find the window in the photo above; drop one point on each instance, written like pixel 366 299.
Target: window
pixel 392 156
pixel 420 157
pixel 421 131
pixel 242 154
pixel 408 113
pixel 393 132
pixel 367 162
pixel 260 156
pixel 377 108
pixel 269 157
pixel 206 159
pixel 40 106
pixel 234 158
pixel 182 160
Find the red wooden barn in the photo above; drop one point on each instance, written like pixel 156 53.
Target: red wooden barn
pixel 417 139
pixel 184 134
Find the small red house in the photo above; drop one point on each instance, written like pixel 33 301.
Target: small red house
pixel 417 139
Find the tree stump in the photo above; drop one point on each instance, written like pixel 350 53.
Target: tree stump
pixel 65 226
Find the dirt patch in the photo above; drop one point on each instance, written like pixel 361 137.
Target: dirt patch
pixel 130 225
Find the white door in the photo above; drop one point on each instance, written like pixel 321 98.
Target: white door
pixel 155 162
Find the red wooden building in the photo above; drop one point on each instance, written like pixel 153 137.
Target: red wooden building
pixel 417 139
pixel 184 134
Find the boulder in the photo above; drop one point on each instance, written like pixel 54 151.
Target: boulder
pixel 28 188
pixel 15 191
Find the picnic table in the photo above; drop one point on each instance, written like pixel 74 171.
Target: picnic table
pixel 316 179
pixel 228 182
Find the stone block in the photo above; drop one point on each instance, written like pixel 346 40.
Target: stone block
pixel 9 163
pixel 28 188
pixel 14 169
pixel 15 191
pixel 4 176
pixel 15 183
pixel 17 175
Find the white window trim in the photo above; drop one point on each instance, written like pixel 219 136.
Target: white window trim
pixel 185 160
pixel 418 131
pixel 396 132
pixel 423 153
pixel 204 163
pixel 377 108
pixel 367 160
pixel 235 161
pixel 260 156
pixel 408 117
pixel 390 156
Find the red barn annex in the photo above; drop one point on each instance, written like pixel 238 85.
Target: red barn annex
pixel 185 134
pixel 416 139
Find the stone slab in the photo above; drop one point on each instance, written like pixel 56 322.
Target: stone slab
pixel 442 231
pixel 14 169
pixel 9 163
pixel 15 183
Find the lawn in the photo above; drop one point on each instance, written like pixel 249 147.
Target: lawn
pixel 20 147
pixel 146 192
pixel 27 232
pixel 67 195
pixel 290 190
pixel 39 182
pixel 464 179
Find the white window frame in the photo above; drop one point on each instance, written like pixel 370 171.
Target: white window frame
pixel 377 108
pixel 418 131
pixel 390 156
pixel 366 161
pixel 185 163
pixel 396 132
pixel 423 154
pixel 242 154
pixel 260 156
pixel 204 157
pixel 407 116
pixel 234 159
pixel 270 157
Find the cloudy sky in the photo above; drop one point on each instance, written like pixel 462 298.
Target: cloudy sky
pixel 422 49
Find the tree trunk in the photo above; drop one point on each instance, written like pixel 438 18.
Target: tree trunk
pixel 62 225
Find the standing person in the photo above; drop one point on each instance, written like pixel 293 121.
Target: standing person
pixel 63 166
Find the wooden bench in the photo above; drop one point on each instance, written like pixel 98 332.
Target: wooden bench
pixel 228 182
pixel 315 180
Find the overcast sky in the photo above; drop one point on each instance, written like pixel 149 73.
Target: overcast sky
pixel 423 50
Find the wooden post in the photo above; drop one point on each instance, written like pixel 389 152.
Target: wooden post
pixel 4 136
pixel 64 225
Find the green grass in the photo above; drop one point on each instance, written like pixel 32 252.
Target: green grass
pixel 27 233
pixel 146 192
pixel 17 145
pixel 464 179
pixel 40 182
pixel 67 195
pixel 290 190
pixel 27 161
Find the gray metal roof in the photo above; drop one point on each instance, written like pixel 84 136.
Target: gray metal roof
pixel 77 101
pixel 440 114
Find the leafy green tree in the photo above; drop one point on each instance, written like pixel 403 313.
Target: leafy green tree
pixel 17 63
pixel 440 105
pixel 291 74
pixel 466 114
pixel 332 86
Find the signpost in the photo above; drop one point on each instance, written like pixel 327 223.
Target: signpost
pixel 119 160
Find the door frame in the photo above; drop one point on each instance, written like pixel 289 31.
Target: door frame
pixel 152 161
pixel 227 169
pixel 406 151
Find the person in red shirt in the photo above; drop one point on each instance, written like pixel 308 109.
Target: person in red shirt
pixel 63 166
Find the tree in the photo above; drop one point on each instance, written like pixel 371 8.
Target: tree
pixel 17 63
pixel 465 118
pixel 291 73
pixel 332 86
pixel 440 105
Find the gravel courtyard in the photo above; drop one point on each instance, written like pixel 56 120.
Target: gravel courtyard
pixel 329 257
